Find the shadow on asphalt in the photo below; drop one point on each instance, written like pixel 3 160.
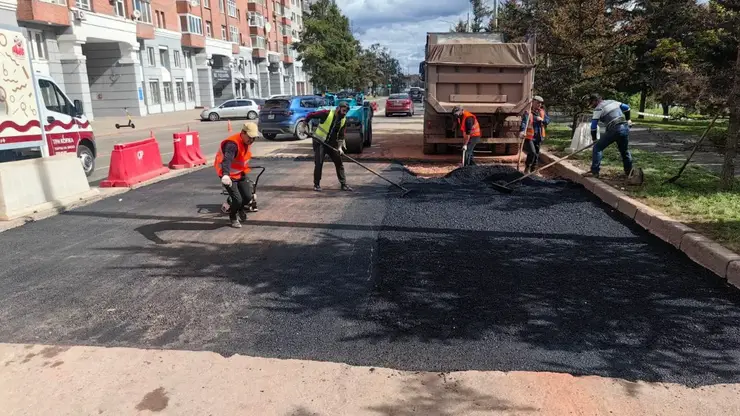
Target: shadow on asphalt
pixel 458 277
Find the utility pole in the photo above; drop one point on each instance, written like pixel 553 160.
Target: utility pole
pixel 495 15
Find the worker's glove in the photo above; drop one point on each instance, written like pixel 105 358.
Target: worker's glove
pixel 629 123
pixel 521 135
pixel 226 180
pixel 465 148
pixel 340 150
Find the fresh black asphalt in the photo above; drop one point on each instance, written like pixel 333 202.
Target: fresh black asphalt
pixel 455 276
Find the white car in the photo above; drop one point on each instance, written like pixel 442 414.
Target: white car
pixel 237 108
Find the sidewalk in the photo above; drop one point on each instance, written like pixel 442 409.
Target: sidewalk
pixel 106 126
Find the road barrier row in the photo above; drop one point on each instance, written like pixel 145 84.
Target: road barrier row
pixel 136 162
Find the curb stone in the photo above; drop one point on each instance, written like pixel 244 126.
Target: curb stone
pixel 699 248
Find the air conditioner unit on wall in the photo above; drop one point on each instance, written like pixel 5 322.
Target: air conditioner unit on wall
pixel 79 14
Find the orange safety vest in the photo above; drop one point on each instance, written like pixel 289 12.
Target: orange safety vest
pixel 475 132
pixel 530 125
pixel 240 164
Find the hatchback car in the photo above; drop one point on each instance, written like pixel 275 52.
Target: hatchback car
pixel 237 108
pixel 285 115
pixel 417 94
pixel 399 104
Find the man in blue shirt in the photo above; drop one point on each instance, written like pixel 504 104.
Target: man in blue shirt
pixel 616 117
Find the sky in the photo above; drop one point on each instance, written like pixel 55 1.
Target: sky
pixel 401 25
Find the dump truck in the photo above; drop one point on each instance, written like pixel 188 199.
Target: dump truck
pixel 486 76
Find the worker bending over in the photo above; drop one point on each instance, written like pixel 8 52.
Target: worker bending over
pixel 616 117
pixel 471 133
pixel 330 131
pixel 532 131
pixel 232 166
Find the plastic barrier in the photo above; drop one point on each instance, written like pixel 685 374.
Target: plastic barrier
pixel 187 151
pixel 35 185
pixel 132 163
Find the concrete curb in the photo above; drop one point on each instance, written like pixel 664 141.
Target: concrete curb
pixel 700 249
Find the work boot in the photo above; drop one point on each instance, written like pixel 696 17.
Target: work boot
pixel 347 188
pixel 242 215
pixel 235 223
pixel 252 207
pixel 317 188
pixel 590 174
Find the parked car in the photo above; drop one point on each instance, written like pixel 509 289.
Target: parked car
pixel 399 104
pixel 417 94
pixel 285 115
pixel 237 108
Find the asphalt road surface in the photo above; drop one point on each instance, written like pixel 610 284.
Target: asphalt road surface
pixel 455 276
pixel 211 134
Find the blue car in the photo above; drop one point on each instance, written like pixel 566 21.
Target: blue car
pixel 286 115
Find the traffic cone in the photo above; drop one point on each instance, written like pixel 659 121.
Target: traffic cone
pixel 229 124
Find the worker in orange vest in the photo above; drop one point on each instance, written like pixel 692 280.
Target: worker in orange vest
pixel 471 133
pixel 532 131
pixel 232 166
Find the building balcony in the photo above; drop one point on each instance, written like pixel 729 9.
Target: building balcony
pixel 144 30
pixel 254 30
pixel 287 59
pixel 193 41
pixel 44 12
pixel 287 39
pixel 286 21
pixel 256 7
pixel 259 53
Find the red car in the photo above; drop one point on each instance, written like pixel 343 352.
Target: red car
pixel 399 104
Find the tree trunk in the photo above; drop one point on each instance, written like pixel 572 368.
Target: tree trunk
pixel 666 107
pixel 728 167
pixel 643 100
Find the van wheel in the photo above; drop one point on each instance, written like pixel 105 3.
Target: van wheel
pixel 87 159
pixel 213 117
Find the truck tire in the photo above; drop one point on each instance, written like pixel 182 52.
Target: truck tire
pixel 353 142
pixel 430 148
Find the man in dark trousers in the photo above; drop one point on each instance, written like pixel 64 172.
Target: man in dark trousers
pixel 330 131
pixel 532 131
pixel 232 166
pixel 471 133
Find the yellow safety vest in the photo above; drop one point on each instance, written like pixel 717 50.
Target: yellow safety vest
pixel 322 131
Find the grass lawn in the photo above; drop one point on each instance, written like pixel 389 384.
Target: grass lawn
pixel 693 127
pixel 695 199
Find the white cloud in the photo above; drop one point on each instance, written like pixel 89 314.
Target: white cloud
pixel 402 25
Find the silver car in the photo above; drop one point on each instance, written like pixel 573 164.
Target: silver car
pixel 237 108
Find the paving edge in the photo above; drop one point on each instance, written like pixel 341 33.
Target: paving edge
pixel 700 249
pixel 97 194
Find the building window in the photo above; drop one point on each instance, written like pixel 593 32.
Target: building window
pixel 234 34
pixel 83 4
pixel 37 41
pixel 145 8
pixel 223 32
pixel 164 57
pixel 221 5
pixel 256 20
pixel 154 96
pixel 120 8
pixel 232 7
pixel 258 42
pixel 209 29
pixel 207 4
pixel 176 56
pixel 191 91
pixel 238 16
pixel 161 22
pixel 167 92
pixel 180 91
pixel 191 24
pixel 188 57
pixel 150 56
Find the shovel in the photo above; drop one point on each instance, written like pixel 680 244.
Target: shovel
pixel 504 188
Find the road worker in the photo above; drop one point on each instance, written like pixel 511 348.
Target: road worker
pixel 232 166
pixel 471 133
pixel 616 117
pixel 331 132
pixel 532 131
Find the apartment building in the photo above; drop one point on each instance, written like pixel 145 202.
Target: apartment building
pixel 153 56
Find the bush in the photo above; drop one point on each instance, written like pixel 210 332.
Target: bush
pixel 718 137
pixel 677 113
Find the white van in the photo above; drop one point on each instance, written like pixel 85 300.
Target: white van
pixel 29 101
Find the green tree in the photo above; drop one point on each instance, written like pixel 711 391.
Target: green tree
pixel 481 15
pixel 329 51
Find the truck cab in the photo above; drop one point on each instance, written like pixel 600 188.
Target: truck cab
pixel 36 116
